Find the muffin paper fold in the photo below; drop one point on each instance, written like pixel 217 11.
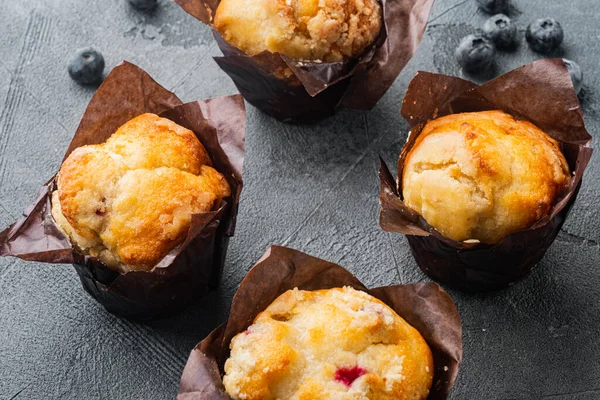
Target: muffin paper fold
pixel 305 91
pixel 191 268
pixel 425 306
pixel 540 92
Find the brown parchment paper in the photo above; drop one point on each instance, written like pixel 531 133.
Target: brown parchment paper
pixel 425 306
pixel 194 266
pixel 302 91
pixel 540 92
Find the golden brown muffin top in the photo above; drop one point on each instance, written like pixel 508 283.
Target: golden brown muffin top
pixel 333 344
pixel 129 201
pixel 325 30
pixel 483 175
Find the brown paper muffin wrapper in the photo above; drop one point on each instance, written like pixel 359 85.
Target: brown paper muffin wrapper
pixel 303 91
pixel 194 266
pixel 540 92
pixel 425 306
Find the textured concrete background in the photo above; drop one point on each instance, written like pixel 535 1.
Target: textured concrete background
pixel 309 187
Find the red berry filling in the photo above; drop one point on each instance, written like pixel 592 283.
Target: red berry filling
pixel 349 375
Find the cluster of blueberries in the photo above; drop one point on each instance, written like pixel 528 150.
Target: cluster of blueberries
pixel 476 52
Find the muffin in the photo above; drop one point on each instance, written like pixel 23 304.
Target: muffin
pixel 483 175
pixel 129 201
pixel 335 343
pixel 302 60
pixel 328 31
pixel 137 208
pixel 481 196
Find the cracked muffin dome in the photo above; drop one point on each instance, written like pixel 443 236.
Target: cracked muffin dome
pixel 130 201
pixel 317 30
pixel 333 344
pixel 483 175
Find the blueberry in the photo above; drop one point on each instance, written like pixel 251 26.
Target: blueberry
pixel 475 53
pixel 544 35
pixel 493 6
pixel 86 66
pixel 576 74
pixel 500 30
pixel 143 4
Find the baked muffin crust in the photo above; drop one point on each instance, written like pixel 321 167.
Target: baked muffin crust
pixel 129 201
pixel 336 344
pixel 325 30
pixel 483 175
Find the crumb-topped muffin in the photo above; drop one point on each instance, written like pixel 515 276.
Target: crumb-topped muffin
pixel 336 344
pixel 326 30
pixel 130 201
pixel 483 175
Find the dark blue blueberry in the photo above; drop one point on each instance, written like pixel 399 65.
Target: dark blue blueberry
pixel 493 6
pixel 544 35
pixel 500 30
pixel 143 4
pixel 475 53
pixel 86 66
pixel 576 74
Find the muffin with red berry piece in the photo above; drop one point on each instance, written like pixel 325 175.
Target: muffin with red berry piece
pixel 337 343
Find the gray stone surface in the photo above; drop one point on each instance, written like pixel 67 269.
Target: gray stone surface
pixel 309 187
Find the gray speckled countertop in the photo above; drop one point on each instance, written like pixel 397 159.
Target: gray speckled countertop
pixel 313 188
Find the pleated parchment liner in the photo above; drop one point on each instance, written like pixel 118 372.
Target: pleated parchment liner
pixel 540 92
pixel 194 266
pixel 425 306
pixel 301 91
